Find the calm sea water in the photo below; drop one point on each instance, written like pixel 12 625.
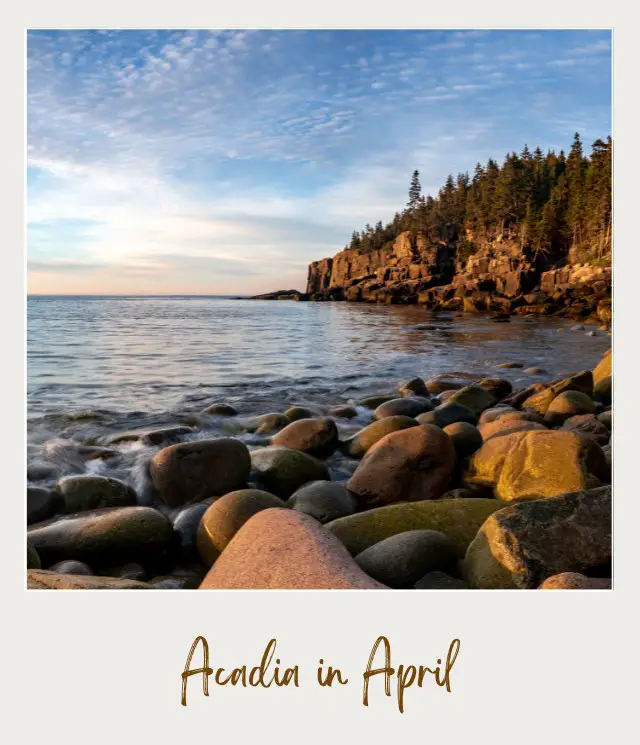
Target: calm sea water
pixel 141 361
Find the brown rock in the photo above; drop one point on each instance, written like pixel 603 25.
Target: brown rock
pixel 40 579
pixel 517 398
pixel 465 437
pixel 407 406
pixel 536 464
pixel 604 368
pixel 366 438
pixel 523 544
pixel 282 470
pixel 474 397
pixel 317 437
pixel 224 518
pixel 540 402
pixel 498 387
pixel 575 581
pixel 505 426
pixel 343 412
pixel 566 405
pixel 589 424
pixel 268 423
pixel 193 471
pixel 413 387
pixel 284 549
pixel 405 466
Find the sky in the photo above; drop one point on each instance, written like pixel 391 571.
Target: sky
pixel 225 161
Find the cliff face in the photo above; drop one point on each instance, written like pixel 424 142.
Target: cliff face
pixel 499 277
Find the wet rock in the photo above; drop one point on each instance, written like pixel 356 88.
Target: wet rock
pixel 42 472
pixel 496 412
pixel 465 437
pixel 366 438
pixel 165 435
pixel 46 580
pixel 510 365
pixel 506 426
pixel 413 387
pixel 224 518
pixel 540 402
pixel 566 405
pixel 285 549
pixel 41 504
pixel 447 413
pixel 220 410
pixel 186 525
pixel 282 471
pixel 72 567
pixel 192 471
pixel 460 519
pixel 298 412
pixel 405 466
pixel 324 500
pixel 269 423
pixel 474 397
pixel 94 452
pixel 523 544
pixel 604 369
pixel 317 436
pixel 343 412
pixel 517 398
pixel 536 464
pixel 440 383
pixel 78 493
pixel 372 402
pixel 402 559
pixel 575 581
pixel 602 390
pixel 588 424
pixel 533 371
pixel 606 417
pixel 103 537
pixel 498 387
pixel 407 406
pixel 33 560
pixel 440 581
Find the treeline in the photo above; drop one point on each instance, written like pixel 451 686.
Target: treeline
pixel 552 204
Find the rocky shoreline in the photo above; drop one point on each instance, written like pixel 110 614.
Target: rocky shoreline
pixel 454 482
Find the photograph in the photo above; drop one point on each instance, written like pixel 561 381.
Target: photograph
pixel 318 309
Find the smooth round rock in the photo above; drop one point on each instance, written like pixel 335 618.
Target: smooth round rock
pixel 282 471
pixel 72 567
pixel 343 412
pixel 602 390
pixel 440 581
pixel 165 435
pixel 465 437
pixel 401 560
pixel 405 466
pixel 506 425
pixel 103 537
pixel 566 405
pixel 366 438
pixel 224 518
pixel 284 549
pixel 220 410
pixel 498 387
pixel 496 412
pixel 589 424
pixel 575 581
pixel 413 387
pixel 316 436
pixel 533 371
pixel 78 493
pixel 606 417
pixel 269 423
pixel 186 525
pixel 446 414
pixel 445 382
pixel 407 406
pixel 474 397
pixel 298 412
pixel 372 402
pixel 324 500
pixel 510 365
pixel 41 504
pixel 193 471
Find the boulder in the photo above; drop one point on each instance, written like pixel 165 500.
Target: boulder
pixel 407 406
pixel 78 493
pixel 193 471
pixel 575 581
pixel 266 424
pixel 343 412
pixel 103 537
pixel 220 410
pixel 317 436
pixel 460 519
pixel 566 405
pixel 402 559
pixel 606 417
pixel 510 365
pixel 498 387
pixel 540 402
pixel 185 526
pixel 165 435
pixel 474 397
pixel 465 437
pixel 366 438
pixel 405 466
pixel 298 412
pixel 41 504
pixel 536 464
pixel 324 500
pixel 447 413
pixel 72 567
pixel 496 412
pixel 47 580
pixel 33 560
pixel 589 424
pixel 372 402
pixel 282 471
pixel 506 425
pixel 413 387
pixel 517 398
pixel 523 544
pixel 604 368
pixel 440 581
pixel 602 390
pixel 224 518
pixel 445 382
pixel 285 549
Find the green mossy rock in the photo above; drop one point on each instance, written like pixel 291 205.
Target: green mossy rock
pixel 460 519
pixel 298 412
pixel 324 500
pixel 281 471
pixel 78 493
pixel 445 414
pixel 474 397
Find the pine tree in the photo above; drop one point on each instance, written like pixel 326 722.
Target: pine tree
pixel 415 190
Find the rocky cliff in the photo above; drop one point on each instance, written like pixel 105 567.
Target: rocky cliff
pixel 499 277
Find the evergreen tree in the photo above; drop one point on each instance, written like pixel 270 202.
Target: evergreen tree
pixel 415 190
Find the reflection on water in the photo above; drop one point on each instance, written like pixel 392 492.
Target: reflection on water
pixel 158 353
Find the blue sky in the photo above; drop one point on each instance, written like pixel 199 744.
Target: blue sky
pixel 226 161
